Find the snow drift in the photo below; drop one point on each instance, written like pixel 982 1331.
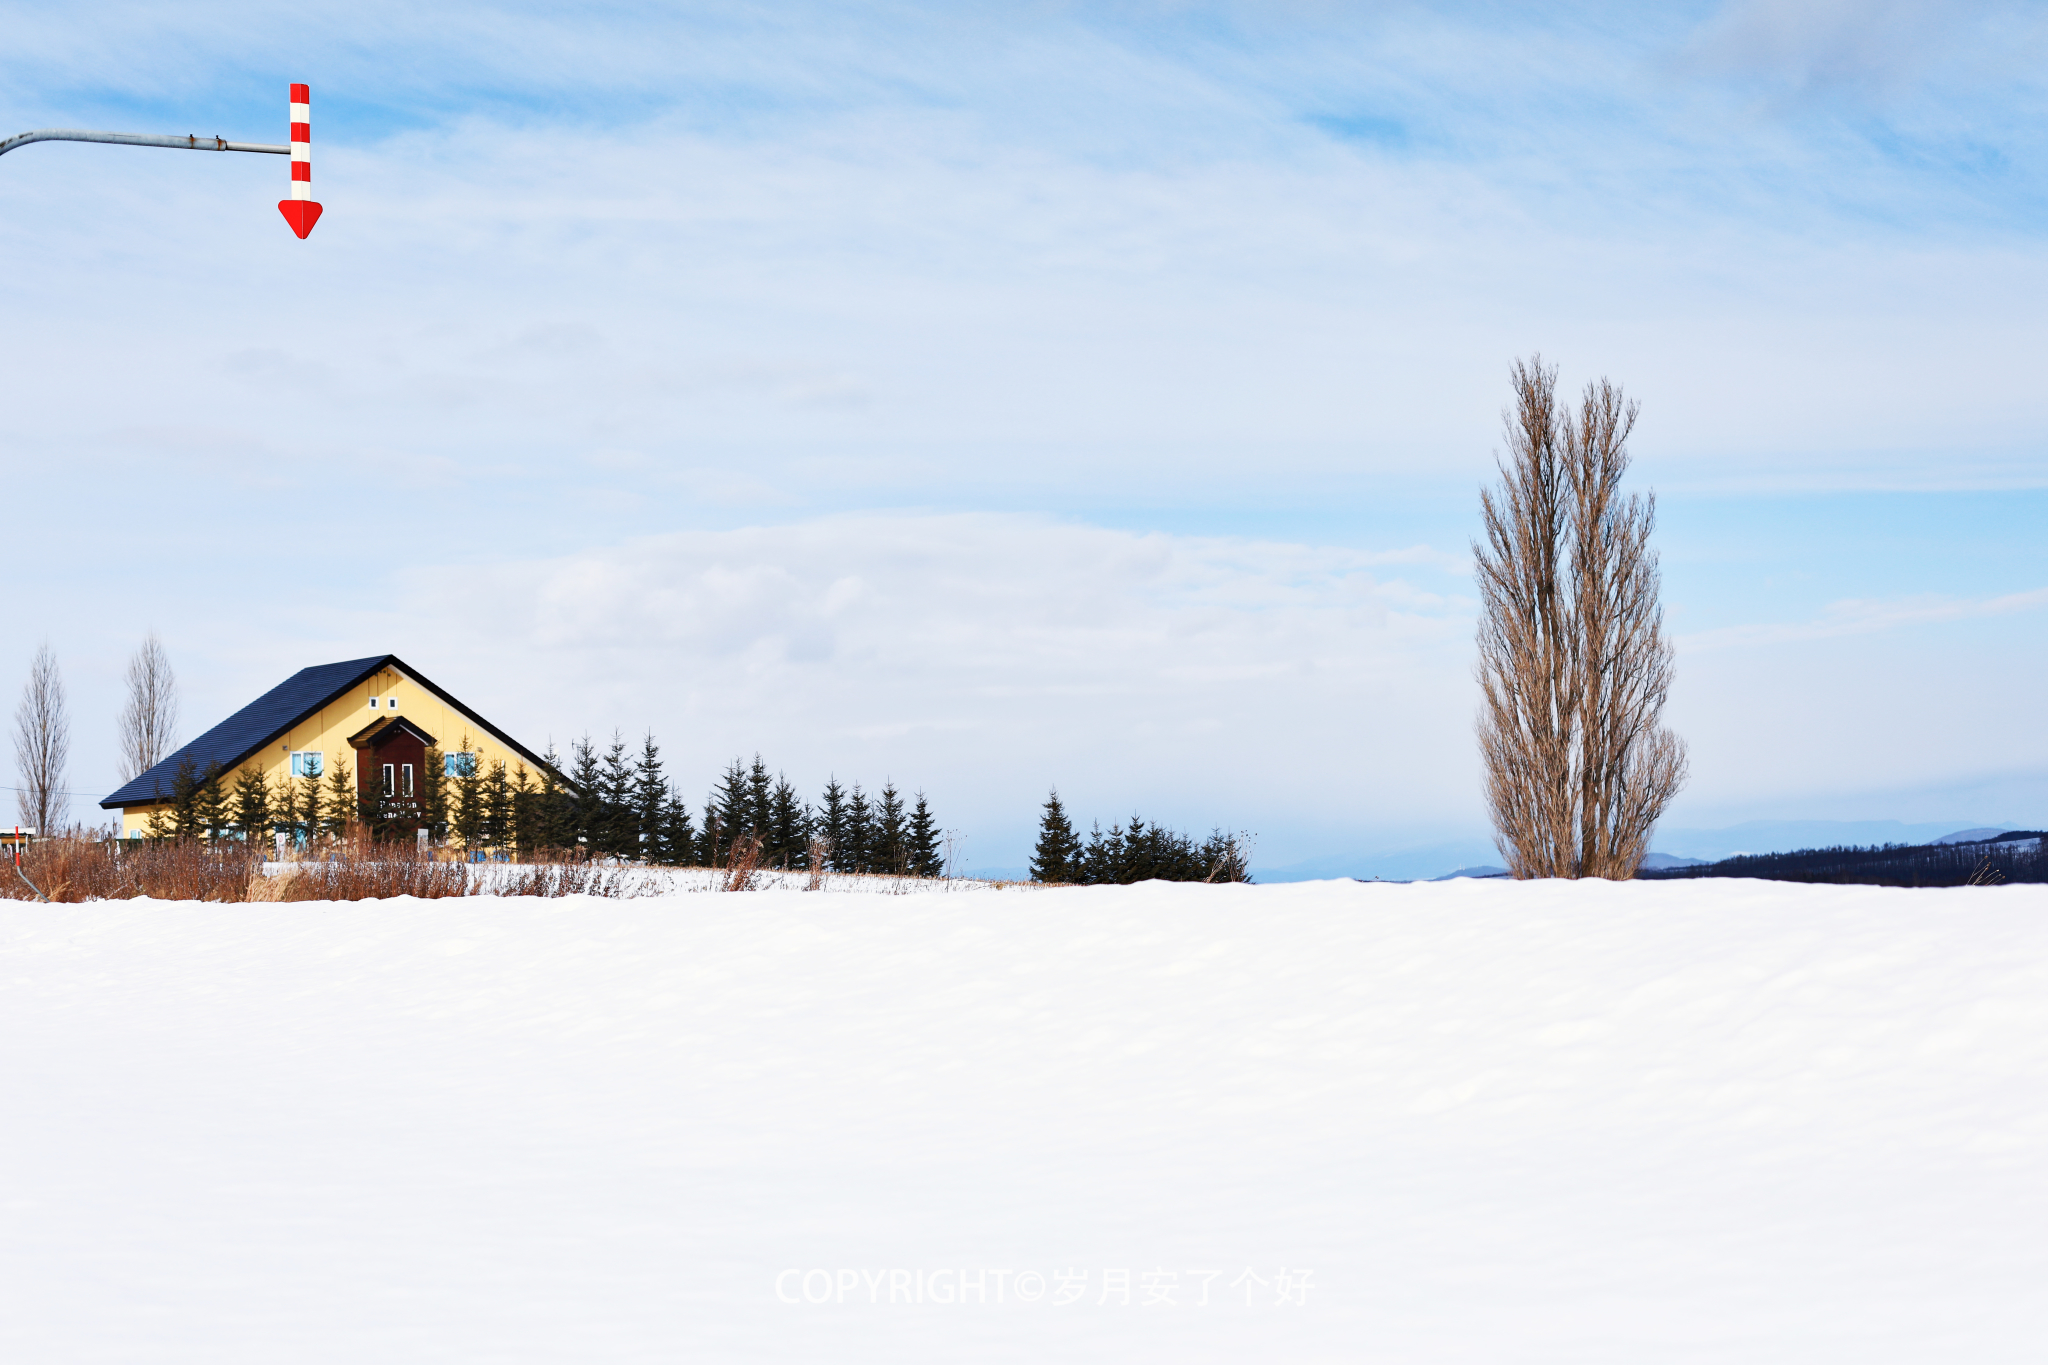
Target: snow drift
pixel 1466 1121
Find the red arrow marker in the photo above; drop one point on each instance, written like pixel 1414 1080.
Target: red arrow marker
pixel 300 210
pixel 300 213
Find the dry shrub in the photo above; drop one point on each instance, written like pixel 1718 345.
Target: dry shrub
pixel 572 878
pixel 359 870
pixel 70 868
pixel 80 868
pixel 746 862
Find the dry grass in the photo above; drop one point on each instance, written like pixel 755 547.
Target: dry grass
pixel 74 868
pixel 358 870
pixel 85 866
pixel 569 877
pixel 71 869
pixel 741 872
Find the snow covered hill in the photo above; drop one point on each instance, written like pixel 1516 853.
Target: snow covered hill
pixel 1467 1121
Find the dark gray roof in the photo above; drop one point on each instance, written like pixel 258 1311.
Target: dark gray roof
pixel 252 727
pixel 272 714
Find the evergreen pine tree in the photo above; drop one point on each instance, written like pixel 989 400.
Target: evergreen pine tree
pixel 892 842
pixel 618 836
pixel 728 812
pixel 466 814
pixel 860 833
pixel 252 804
pixel 712 838
pixel 338 811
pixel 760 802
pixel 567 806
pixel 650 802
pixel 210 811
pixel 1057 857
pixel 1101 856
pixel 788 826
pixel 433 794
pixel 830 825
pixel 1225 858
pixel 496 795
pixel 678 833
pixel 284 807
pixel 554 829
pixel 1134 866
pixel 183 821
pixel 585 823
pixel 524 832
pixel 309 809
pixel 926 858
pixel 1139 852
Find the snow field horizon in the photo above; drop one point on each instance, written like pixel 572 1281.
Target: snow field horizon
pixel 1582 1121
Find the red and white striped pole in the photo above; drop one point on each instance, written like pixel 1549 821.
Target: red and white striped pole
pixel 301 210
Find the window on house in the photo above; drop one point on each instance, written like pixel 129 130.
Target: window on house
pixel 390 785
pixel 406 779
pixel 307 763
pixel 460 765
pixel 391 703
pixel 373 703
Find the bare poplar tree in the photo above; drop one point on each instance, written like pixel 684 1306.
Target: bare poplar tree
pixel 149 720
pixel 42 744
pixel 1573 664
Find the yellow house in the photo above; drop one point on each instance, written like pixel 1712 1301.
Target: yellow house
pixel 378 715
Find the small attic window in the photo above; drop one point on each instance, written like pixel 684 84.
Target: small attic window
pixel 373 703
pixel 391 703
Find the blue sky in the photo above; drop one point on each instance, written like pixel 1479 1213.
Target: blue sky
pixel 1044 393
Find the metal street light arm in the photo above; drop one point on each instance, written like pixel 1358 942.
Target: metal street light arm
pixel 301 211
pixel 188 142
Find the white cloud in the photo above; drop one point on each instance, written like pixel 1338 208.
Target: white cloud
pixel 1807 48
pixel 1275 686
pixel 1863 618
pixel 1874 709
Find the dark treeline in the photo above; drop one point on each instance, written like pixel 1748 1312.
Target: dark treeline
pixel 2012 857
pixel 1135 852
pixel 614 803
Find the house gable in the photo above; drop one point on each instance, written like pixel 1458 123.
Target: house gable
pixel 297 711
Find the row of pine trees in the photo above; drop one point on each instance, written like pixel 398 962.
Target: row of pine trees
pixel 1135 852
pixel 618 804
pixel 614 804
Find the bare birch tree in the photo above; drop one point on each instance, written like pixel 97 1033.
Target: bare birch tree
pixel 1573 665
pixel 42 745
pixel 149 720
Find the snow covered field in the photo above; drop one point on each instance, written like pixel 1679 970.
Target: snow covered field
pixel 1460 1122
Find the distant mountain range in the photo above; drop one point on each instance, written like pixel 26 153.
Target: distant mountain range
pixel 1658 861
pixel 1673 848
pixel 1415 864
pixel 1785 836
